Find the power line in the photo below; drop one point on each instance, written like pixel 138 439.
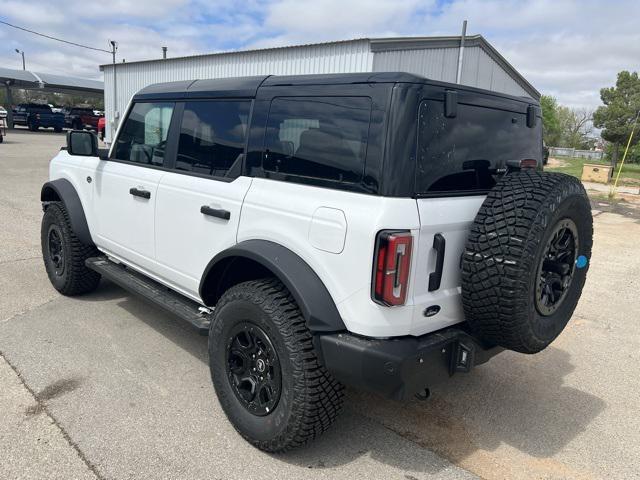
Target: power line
pixel 54 38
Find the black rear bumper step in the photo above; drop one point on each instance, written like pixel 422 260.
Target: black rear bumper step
pixel 401 367
pixel 157 293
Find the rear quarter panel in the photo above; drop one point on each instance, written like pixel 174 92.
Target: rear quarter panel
pixel 287 213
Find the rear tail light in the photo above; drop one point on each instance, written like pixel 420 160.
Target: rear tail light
pixel 528 163
pixel 392 262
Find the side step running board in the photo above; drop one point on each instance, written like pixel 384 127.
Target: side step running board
pixel 162 296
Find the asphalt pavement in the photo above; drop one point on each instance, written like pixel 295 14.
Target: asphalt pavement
pixel 107 386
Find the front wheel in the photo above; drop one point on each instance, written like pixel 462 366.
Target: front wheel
pixel 265 370
pixel 64 255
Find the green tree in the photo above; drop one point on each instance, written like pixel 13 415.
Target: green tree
pixel 575 127
pixel 621 106
pixel 550 120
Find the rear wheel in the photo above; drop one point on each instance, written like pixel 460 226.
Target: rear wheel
pixel 526 260
pixel 264 368
pixel 64 255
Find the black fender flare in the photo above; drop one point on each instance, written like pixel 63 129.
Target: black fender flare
pixel 64 190
pixel 308 290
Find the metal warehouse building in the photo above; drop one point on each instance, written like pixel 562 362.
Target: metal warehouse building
pixel 472 60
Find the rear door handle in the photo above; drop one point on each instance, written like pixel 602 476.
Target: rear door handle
pixel 215 212
pixel 435 277
pixel 137 192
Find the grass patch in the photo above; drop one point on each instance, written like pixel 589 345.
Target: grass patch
pixel 630 174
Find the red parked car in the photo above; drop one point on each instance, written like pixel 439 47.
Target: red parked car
pixel 102 128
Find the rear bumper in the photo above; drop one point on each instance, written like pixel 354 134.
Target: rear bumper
pixel 401 367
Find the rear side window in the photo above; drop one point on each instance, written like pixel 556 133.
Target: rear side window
pixel 212 136
pixel 143 137
pixel 318 137
pixel 469 152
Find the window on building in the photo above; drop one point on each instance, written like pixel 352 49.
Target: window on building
pixel 212 136
pixel 143 136
pixel 318 137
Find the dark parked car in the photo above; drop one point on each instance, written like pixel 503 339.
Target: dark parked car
pixel 34 116
pixel 80 118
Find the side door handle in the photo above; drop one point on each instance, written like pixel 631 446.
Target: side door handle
pixel 435 277
pixel 215 212
pixel 137 192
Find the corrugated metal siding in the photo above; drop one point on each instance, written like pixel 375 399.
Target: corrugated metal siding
pixel 439 63
pixel 343 57
pixel 482 71
pixel 479 69
pixel 435 63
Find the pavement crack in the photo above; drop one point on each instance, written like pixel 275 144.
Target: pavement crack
pixel 24 312
pixel 16 260
pixel 41 407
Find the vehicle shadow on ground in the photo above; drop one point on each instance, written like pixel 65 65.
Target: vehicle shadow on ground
pixel 514 401
pixel 517 400
pixel 174 329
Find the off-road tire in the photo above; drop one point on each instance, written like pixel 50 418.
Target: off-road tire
pixel 75 278
pixel 310 398
pixel 506 245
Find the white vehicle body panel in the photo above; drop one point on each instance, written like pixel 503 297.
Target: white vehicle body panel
pixel 284 213
pixel 124 224
pixel 186 239
pixel 452 218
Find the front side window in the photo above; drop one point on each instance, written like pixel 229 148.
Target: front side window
pixel 212 136
pixel 318 137
pixel 143 137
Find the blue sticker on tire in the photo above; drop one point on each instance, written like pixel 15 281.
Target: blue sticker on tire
pixel 581 261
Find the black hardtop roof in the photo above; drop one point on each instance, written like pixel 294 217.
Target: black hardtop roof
pixel 248 86
pixel 238 87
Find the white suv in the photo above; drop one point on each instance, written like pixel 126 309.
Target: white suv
pixel 378 230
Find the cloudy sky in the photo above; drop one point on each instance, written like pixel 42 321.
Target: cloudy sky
pixel 569 49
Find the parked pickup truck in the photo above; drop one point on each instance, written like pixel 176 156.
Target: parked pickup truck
pixel 34 116
pixel 79 118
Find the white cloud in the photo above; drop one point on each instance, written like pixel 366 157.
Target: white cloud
pixel 567 48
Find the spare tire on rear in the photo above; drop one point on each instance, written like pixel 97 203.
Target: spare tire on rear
pixel 526 260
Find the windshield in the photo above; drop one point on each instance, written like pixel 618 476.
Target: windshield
pixel 468 153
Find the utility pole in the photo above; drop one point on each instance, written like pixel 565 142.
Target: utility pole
pixel 461 52
pixel 21 52
pixel 116 114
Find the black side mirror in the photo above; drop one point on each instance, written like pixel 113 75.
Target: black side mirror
pixel 83 143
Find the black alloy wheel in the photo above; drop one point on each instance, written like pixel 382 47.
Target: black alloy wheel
pixel 253 368
pixel 56 250
pixel 556 268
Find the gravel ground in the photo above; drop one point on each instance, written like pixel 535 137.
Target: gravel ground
pixel 107 386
